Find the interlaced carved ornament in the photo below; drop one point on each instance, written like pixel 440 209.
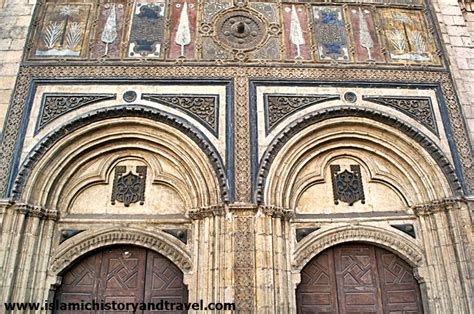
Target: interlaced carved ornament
pixel 281 106
pixel 129 188
pixel 347 185
pixel 55 105
pixel 205 108
pixel 418 108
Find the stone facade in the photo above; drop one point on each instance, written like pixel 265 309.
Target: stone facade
pixel 238 139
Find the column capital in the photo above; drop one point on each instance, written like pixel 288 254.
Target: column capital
pixel 434 207
pixel 206 212
pixel 277 212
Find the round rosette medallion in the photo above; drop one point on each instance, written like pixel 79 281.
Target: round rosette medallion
pixel 240 30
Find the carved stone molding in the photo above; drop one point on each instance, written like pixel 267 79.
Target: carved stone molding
pixel 280 106
pixel 55 105
pixel 204 107
pixel 35 211
pixel 350 111
pixel 318 241
pixel 244 263
pixel 419 108
pixel 86 241
pixel 115 112
pixel 206 212
pixel 437 206
pixel 467 5
pixel 243 191
pixel 243 209
pixel 277 212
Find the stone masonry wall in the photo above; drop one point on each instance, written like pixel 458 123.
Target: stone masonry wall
pixel 469 18
pixel 15 18
pixel 460 52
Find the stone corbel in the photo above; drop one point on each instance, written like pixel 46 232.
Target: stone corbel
pixel 207 212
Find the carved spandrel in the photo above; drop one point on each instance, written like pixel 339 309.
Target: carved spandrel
pixel 56 105
pixel 417 107
pixel 280 106
pixel 204 107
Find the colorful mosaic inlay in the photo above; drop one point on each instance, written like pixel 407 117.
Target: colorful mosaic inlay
pixel 223 32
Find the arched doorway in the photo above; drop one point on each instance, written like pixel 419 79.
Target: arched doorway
pixel 358 278
pixel 124 274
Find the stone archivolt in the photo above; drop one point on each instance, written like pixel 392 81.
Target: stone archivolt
pixel 85 158
pixel 389 159
pixel 86 242
pixel 397 242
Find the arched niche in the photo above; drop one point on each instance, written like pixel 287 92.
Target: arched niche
pixel 396 163
pixel 73 169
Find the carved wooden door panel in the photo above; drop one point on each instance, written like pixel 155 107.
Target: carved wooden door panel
pixel 80 282
pixel 164 281
pixel 358 278
pixel 317 290
pixel 401 292
pixel 124 274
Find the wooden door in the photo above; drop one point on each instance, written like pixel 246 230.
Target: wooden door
pixel 358 278
pixel 124 274
pixel 164 282
pixel 317 290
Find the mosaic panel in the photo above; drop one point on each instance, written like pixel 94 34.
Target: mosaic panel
pixel 228 32
pixel 270 51
pixel 364 35
pixel 210 51
pixel 212 7
pixel 109 33
pixel 407 37
pixel 63 30
pixel 147 29
pixel 296 33
pixel 183 29
pixel 269 10
pixel 330 33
